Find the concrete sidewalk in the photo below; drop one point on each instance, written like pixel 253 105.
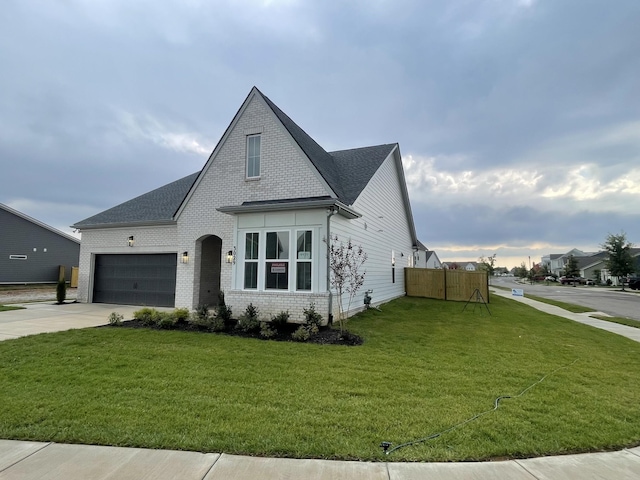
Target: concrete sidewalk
pixel 54 461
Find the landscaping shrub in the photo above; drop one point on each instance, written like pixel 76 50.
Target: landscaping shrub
pixel 223 312
pixel 301 334
pixel 181 315
pixel 148 316
pixel 217 324
pixel 165 320
pixel 312 323
pixel 249 321
pixel 61 291
pixel 267 330
pixel 280 320
pixel 313 320
pixel 201 318
pixel 115 318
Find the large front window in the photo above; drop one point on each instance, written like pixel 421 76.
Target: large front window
pixel 272 261
pixel 277 264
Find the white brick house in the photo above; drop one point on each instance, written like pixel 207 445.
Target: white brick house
pixel 254 223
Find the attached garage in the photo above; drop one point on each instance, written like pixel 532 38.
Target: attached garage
pixel 135 279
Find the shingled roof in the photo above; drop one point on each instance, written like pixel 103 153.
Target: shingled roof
pixel 347 172
pixel 157 206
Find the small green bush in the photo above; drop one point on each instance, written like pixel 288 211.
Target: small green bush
pixel 61 291
pixel 267 330
pixel 165 320
pixel 148 316
pixel 115 318
pixel 249 321
pixel 280 320
pixel 301 334
pixel 224 312
pixel 199 321
pixel 312 318
pixel 217 324
pixel 180 315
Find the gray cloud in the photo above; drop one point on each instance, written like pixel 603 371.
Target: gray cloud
pixel 520 117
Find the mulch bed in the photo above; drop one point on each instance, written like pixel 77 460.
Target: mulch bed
pixel 326 335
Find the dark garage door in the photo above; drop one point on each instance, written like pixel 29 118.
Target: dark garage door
pixel 135 279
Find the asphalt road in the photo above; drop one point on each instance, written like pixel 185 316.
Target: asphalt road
pixel 608 300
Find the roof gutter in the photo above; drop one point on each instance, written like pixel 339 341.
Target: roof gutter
pixel 338 207
pixel 159 223
pixel 331 211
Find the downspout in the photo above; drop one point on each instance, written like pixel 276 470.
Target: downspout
pixel 331 211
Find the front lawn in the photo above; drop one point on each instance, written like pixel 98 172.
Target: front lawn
pixel 425 366
pixel 7 308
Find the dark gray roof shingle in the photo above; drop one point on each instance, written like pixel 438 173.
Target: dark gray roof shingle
pixel 356 166
pixel 155 206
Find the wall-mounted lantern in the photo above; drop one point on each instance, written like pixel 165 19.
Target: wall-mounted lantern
pixel 231 256
pixel 130 241
pixel 185 257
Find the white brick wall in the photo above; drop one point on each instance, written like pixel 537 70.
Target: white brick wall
pixel 285 173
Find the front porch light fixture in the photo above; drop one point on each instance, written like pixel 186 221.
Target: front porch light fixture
pixel 130 241
pixel 185 257
pixel 231 256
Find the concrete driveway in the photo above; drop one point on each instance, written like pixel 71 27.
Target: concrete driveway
pixel 45 317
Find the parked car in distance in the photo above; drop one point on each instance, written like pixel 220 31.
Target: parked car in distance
pixel 588 281
pixel 634 283
pixel 572 280
pixel 550 278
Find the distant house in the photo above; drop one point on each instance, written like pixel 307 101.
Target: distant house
pixel 461 265
pixel 598 261
pixel 32 252
pixel 558 261
pixel 256 223
pixel 425 258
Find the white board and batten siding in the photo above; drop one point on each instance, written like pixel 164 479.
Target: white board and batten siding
pixel 383 231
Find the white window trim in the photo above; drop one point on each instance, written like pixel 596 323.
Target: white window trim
pixel 312 260
pixel 246 172
pixel 291 260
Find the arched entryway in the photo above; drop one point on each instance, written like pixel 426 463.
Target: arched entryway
pixel 210 265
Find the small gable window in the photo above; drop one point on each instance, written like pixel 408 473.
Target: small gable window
pixel 253 156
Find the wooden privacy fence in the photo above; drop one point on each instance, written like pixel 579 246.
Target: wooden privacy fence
pixel 444 284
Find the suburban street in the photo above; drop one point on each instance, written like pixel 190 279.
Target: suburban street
pixel 607 300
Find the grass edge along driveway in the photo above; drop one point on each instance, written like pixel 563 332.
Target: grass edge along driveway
pixel 424 367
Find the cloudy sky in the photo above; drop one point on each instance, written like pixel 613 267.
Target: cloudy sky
pixel 518 120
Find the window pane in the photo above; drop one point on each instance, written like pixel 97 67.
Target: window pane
pixel 251 275
pixel 253 156
pixel 251 246
pixel 278 245
pixel 304 245
pixel 303 276
pixel 277 277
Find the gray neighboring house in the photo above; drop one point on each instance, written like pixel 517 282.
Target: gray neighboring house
pixel 32 252
pixel 254 223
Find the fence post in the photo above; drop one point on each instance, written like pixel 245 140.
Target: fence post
pixel 444 271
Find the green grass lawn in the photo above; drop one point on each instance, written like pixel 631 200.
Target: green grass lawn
pixel 564 305
pixel 5 308
pixel 424 367
pixel 629 322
